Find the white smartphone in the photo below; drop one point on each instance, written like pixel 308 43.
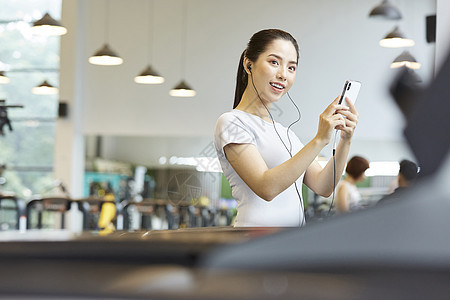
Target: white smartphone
pixel 351 90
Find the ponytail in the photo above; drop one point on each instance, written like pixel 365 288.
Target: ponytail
pixel 241 81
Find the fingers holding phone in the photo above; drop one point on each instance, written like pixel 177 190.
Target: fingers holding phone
pixel 350 111
pixel 350 94
pixel 341 114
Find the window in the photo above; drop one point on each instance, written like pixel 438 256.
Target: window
pixel 28 60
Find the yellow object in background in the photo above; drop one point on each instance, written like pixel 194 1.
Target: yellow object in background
pixel 204 201
pixel 107 215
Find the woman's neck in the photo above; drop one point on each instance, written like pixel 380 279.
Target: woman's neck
pixel 350 179
pixel 252 104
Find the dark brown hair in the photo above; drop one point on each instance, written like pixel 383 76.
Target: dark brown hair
pixel 356 166
pixel 257 45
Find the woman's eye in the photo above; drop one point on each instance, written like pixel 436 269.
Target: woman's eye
pixel 274 62
pixel 292 68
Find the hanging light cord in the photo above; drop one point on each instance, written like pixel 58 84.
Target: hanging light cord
pixel 107 12
pixel 150 23
pixel 183 41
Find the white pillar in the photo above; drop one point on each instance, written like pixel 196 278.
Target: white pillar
pixel 69 140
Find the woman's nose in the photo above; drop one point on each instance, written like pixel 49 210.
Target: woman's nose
pixel 282 73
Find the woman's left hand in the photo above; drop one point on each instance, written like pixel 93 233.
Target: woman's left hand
pixel 351 119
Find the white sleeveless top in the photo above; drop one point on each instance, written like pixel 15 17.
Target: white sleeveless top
pixel 354 197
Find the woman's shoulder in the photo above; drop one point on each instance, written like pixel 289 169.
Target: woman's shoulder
pixel 228 114
pixel 343 185
pixel 241 120
pixel 231 116
pixel 226 120
pixel 234 113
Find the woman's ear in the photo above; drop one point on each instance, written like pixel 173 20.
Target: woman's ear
pixel 247 64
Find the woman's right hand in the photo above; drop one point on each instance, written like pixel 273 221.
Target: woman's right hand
pixel 329 120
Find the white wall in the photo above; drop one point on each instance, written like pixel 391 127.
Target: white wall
pixel 337 41
pixel 147 151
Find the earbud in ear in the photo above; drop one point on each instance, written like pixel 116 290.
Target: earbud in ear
pixel 249 67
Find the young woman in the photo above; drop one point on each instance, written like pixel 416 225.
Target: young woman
pixel 347 196
pixel 265 162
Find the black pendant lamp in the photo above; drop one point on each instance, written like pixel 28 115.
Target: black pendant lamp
pixel 45 88
pixel 149 75
pixel 385 10
pixel 405 59
pixel 105 56
pixel 396 39
pixel 48 26
pixel 182 89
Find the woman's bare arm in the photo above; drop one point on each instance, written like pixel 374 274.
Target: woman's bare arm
pixel 268 183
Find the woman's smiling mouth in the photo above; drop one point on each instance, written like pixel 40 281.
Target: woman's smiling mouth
pixel 277 86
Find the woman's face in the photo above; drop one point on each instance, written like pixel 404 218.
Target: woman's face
pixel 274 71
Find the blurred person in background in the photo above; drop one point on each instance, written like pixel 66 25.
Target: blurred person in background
pixel 406 177
pixel 407 174
pixel 348 198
